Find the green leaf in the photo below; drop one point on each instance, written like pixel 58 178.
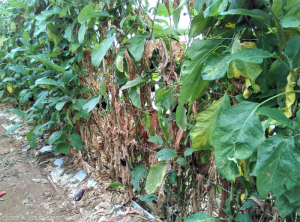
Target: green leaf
pixel 176 16
pixel 91 104
pixel 100 50
pixel 163 122
pixel 290 21
pixel 26 36
pixel 278 161
pixel 115 184
pixel 134 95
pixel 155 177
pixel 45 81
pixel 166 154
pixel 119 63
pixel 200 217
pixel 292 46
pixel 17 112
pixel 138 81
pixel 61 148
pixel 163 98
pixel 283 205
pixel 251 55
pixel 275 114
pixel 215 67
pixel 181 161
pixel 181 118
pixel 43 58
pixel 13 128
pixel 199 24
pixel 78 105
pixel 88 12
pixel 137 44
pixel 81 33
pixel 247 204
pixel 198 5
pixel 148 198
pixel 212 9
pixel 156 139
pixel 243 218
pixel 60 105
pixel 206 121
pixel 54 136
pixel 236 136
pixel 76 141
pixel 136 174
pixel 189 151
pixel 53 33
pixel 256 14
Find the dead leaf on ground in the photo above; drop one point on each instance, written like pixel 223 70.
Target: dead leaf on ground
pixel 40 180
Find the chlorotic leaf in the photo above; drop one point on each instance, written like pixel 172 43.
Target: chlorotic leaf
pixel 155 177
pixel 215 67
pixel 115 184
pixel 205 123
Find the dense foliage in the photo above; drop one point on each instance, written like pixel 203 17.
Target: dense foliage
pixel 225 128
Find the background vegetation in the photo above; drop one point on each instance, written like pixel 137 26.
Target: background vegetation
pixel 200 119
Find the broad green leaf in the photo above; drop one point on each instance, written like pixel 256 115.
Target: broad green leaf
pixel 136 174
pixel 138 81
pixel 26 36
pixel 278 161
pixel 215 67
pixel 91 104
pixel 61 148
pixel 290 21
pixel 155 177
pixel 200 217
pixel 212 9
pixel 243 218
pixel 251 55
pixel 137 44
pixel 199 24
pixel 68 76
pixel 17 112
pixel 236 136
pixel 61 139
pixel 189 151
pixel 9 79
pixel 88 12
pixel 135 96
pixel 198 5
pixel 60 105
pixel 115 184
pixel 100 50
pixel 166 154
pixel 81 33
pixel 45 14
pixel 275 114
pixel 181 161
pixel 163 98
pixel 76 141
pixel 43 58
pixel 258 15
pixel 293 196
pixel 176 16
pixel 54 136
pixel 206 121
pixel 292 46
pixel 155 139
pixel 13 128
pixel 163 122
pixel 148 198
pixel 181 118
pixel 78 105
pixel 283 205
pixel 45 81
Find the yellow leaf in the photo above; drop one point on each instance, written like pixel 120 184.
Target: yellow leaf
pixel 10 89
pixel 290 97
pixel 13 26
pixel 229 25
pixel 2 41
pixel 119 63
pixel 243 196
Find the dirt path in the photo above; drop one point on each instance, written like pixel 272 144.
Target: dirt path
pixel 29 196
